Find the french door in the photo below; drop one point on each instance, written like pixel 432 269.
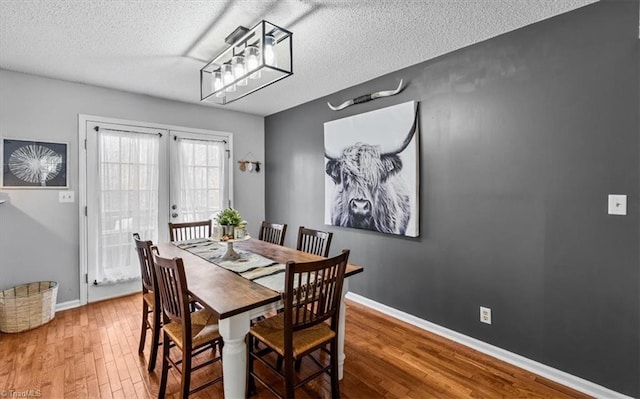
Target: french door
pixel 137 179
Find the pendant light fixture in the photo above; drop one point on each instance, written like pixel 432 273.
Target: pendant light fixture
pixel 255 59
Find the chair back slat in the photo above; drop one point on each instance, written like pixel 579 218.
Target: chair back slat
pixel 313 291
pixel 147 272
pixel 190 230
pixel 315 242
pixel 173 292
pixel 272 232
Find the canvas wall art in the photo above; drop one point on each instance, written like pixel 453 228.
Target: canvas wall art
pixel 34 164
pixel 372 171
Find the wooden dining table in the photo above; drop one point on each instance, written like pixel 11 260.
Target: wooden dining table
pixel 236 301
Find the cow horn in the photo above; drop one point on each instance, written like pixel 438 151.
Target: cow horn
pixel 407 140
pixel 330 156
pixel 366 97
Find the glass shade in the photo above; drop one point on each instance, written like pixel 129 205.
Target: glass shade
pixel 218 83
pixel 253 61
pixel 228 78
pixel 270 56
pixel 239 70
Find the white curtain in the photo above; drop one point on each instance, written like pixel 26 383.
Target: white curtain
pixel 200 178
pixel 128 184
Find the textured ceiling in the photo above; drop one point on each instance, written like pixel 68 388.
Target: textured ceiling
pixel 157 47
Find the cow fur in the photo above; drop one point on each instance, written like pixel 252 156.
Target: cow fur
pixel 363 174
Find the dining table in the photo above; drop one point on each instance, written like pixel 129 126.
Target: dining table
pixel 237 300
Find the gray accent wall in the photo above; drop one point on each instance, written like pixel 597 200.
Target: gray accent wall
pixel 38 235
pixel 522 137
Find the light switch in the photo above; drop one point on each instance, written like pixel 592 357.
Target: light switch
pixel 617 204
pixel 65 196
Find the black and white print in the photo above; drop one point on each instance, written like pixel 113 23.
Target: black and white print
pixel 371 171
pixel 34 164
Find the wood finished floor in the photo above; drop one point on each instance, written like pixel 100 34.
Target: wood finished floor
pixel 92 352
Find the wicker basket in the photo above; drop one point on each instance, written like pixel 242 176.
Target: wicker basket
pixel 27 306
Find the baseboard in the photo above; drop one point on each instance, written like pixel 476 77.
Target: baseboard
pixel 540 369
pixel 67 305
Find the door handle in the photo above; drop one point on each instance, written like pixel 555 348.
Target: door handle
pixel 174 215
pixel 174 207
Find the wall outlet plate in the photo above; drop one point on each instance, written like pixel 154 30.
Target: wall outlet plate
pixel 485 315
pixel 66 196
pixel 617 204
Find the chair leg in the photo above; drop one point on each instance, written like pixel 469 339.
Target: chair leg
pixel 298 363
pixel 165 367
pixel 186 373
pixel 143 329
pixel 288 378
pixel 155 340
pixel 335 387
pixel 250 383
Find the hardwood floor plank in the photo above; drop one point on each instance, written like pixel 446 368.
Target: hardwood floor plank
pixel 128 389
pixel 114 377
pixel 93 389
pixel 92 352
pixel 105 391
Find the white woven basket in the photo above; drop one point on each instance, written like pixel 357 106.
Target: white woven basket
pixel 27 306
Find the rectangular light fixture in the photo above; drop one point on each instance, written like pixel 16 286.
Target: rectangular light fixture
pixel 255 59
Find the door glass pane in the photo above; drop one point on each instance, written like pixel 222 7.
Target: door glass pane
pixel 200 171
pixel 128 171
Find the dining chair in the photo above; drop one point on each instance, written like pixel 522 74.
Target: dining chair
pixel 312 296
pixel 150 299
pixel 315 242
pixel 190 230
pixel 272 232
pixel 192 333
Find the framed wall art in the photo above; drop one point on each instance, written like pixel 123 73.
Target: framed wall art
pixel 372 171
pixel 34 164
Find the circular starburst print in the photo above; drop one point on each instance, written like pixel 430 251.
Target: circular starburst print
pixel 35 163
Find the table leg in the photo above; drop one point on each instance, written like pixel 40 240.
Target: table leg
pixel 341 329
pixel 234 354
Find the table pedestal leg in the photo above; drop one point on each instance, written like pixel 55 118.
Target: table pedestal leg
pixel 231 254
pixel 341 329
pixel 234 354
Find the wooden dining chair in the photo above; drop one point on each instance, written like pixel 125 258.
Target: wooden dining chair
pixel 192 333
pixel 150 300
pixel 312 295
pixel 314 242
pixel 272 232
pixel 190 230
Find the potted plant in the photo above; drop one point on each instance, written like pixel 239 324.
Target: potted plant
pixel 228 218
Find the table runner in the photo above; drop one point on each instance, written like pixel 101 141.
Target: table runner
pixel 251 266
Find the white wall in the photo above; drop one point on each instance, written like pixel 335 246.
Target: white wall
pixel 38 235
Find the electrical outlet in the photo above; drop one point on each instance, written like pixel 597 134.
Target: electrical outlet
pixel 485 315
pixel 65 196
pixel 617 204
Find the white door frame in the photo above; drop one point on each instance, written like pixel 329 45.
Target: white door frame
pixel 82 178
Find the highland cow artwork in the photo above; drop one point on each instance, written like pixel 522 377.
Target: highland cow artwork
pixel 371 170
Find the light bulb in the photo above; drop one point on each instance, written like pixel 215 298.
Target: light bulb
pixel 253 61
pixel 239 70
pixel 218 84
pixel 269 50
pixel 228 78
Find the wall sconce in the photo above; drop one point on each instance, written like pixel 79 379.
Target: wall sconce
pixel 255 59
